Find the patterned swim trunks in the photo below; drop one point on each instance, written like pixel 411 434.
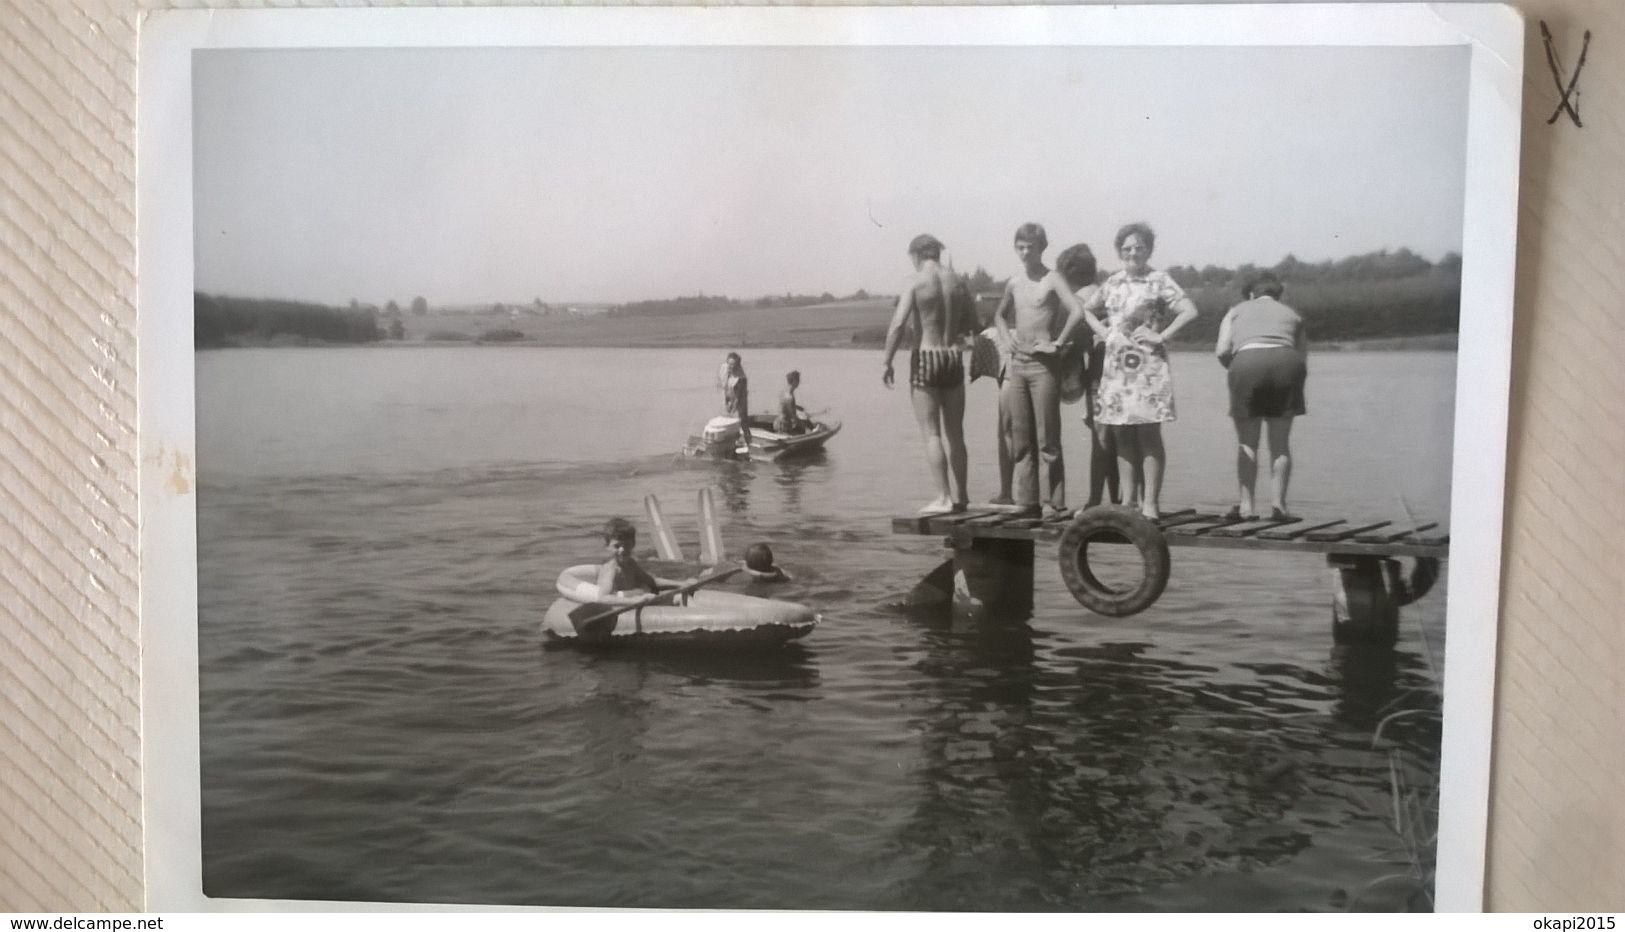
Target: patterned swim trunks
pixel 936 368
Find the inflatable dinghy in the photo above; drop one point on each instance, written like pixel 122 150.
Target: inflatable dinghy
pixel 705 614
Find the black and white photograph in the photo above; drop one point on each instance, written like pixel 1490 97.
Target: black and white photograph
pixel 776 464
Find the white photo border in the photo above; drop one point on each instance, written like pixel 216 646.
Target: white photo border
pixel 167 443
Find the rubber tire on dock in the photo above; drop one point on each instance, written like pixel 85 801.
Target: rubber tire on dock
pixel 1109 522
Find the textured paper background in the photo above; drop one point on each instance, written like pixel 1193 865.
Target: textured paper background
pixel 70 780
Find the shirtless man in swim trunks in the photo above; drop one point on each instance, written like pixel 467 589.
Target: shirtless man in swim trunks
pixel 1030 317
pixel 936 369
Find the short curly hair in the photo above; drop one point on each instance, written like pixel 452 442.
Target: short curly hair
pixel 1146 234
pixel 1077 265
pixel 925 246
pixel 619 529
pixel 1264 283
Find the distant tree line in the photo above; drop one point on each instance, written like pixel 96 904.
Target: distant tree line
pixel 1375 295
pixel 1379 294
pixel 694 304
pixel 226 321
pixel 697 304
pixel 1372 266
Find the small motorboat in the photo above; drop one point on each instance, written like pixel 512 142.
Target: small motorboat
pixel 720 438
pixel 699 615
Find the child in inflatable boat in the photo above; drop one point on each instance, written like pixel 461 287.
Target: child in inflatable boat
pixel 621 580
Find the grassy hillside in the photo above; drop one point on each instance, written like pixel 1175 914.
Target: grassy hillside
pixel 1376 298
pixel 832 324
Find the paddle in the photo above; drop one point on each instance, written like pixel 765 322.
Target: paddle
pixel 710 532
pixel 585 626
pixel 665 543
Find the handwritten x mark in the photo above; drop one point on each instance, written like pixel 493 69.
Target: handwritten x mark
pixel 1566 93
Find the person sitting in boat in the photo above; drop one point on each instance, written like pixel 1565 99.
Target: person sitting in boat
pixel 621 578
pixel 792 417
pixel 736 395
pixel 759 566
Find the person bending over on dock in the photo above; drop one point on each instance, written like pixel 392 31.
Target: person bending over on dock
pixel 927 309
pixel 1029 316
pixel 621 579
pixel 736 396
pixel 1261 341
pixel 792 417
pixel 1077 265
pixel 1144 308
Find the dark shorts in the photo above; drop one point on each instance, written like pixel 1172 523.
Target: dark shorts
pixel 1267 382
pixel 936 368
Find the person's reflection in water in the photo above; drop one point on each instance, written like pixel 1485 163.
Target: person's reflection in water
pixel 733 478
pixel 1376 683
pixel 623 745
pixel 609 723
pixel 978 822
pixel 791 666
pixel 1060 776
pixel 793 472
pixel 1367 678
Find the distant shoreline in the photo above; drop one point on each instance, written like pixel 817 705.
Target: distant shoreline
pixel 1416 310
pixel 1436 342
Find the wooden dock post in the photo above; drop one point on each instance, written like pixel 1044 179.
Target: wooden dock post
pixel 993 576
pixel 989 568
pixel 979 578
pixel 1365 604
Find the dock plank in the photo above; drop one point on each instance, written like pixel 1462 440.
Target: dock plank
pixel 1180 518
pixel 945 523
pixel 1211 523
pixel 1396 532
pixel 1436 537
pixel 1195 528
pixel 1344 533
pixel 1293 533
pixel 1253 526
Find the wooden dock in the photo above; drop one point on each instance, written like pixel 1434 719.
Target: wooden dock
pixel 1193 528
pixel 990 567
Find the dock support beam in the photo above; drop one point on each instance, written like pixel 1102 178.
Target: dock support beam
pixel 1366 595
pixel 981 578
pixel 985 577
pixel 993 577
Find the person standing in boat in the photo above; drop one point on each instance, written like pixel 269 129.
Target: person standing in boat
pixel 928 312
pixel 1029 317
pixel 792 418
pixel 736 395
pixel 1262 344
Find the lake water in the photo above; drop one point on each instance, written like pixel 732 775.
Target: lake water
pixel 379 530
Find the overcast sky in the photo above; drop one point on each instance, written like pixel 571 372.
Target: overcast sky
pixel 607 175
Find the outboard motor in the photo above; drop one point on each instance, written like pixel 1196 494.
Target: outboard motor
pixel 724 428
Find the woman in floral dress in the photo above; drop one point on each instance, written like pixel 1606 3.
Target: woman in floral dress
pixel 1143 308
